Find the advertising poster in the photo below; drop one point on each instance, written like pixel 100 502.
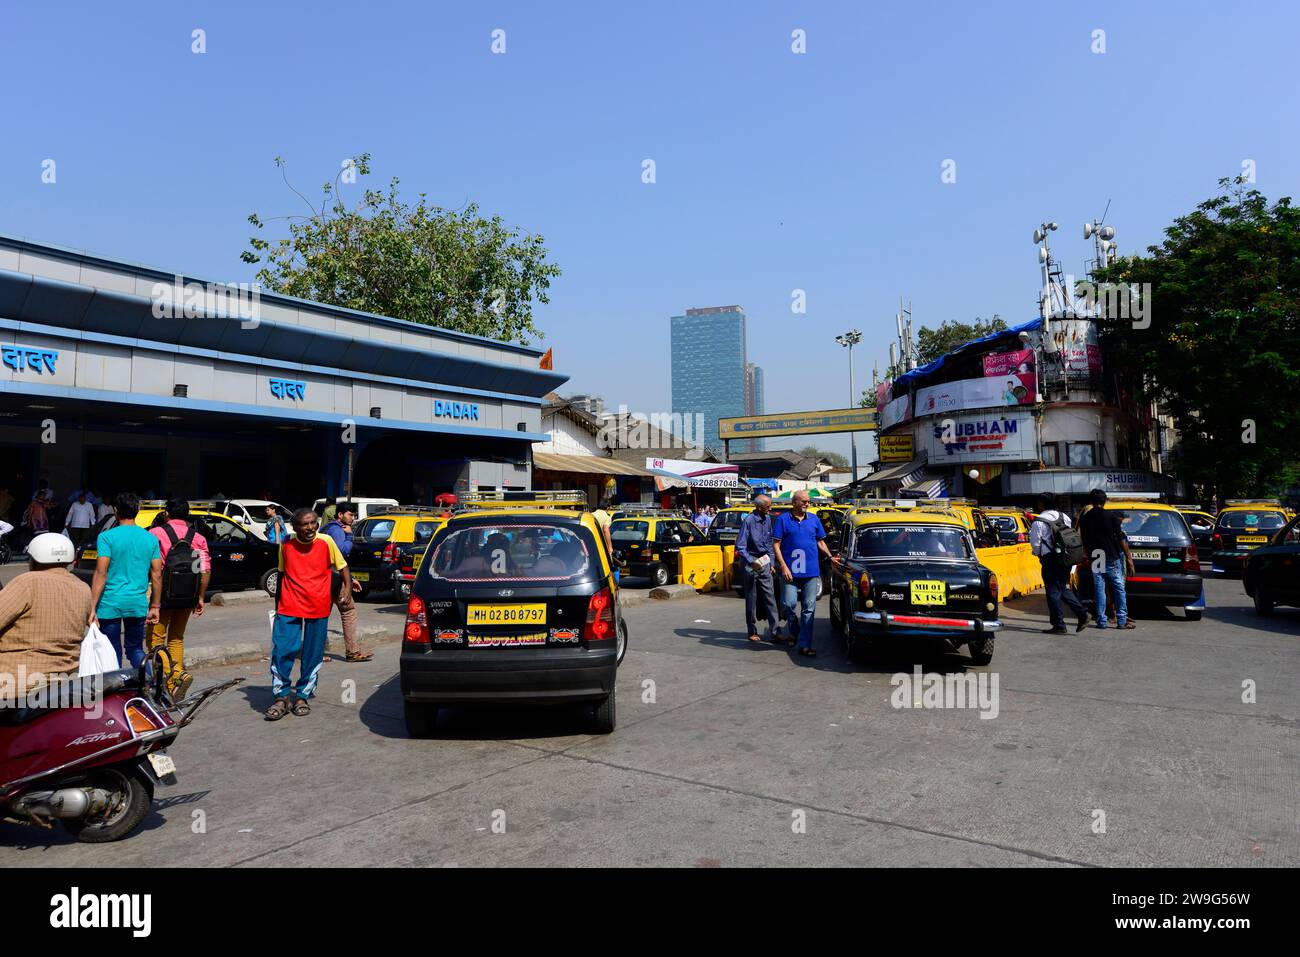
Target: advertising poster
pixel 1001 437
pixel 1015 373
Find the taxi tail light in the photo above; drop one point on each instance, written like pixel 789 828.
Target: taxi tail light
pixel 864 585
pixel 1022 538
pixel 1218 541
pixel 993 587
pixel 417 623
pixel 600 617
pixel 390 552
pixel 1191 560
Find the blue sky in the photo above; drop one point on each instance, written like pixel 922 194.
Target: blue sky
pixel 775 171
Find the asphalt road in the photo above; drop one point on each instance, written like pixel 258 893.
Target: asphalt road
pixel 748 755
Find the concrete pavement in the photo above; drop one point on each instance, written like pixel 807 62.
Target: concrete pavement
pixel 748 755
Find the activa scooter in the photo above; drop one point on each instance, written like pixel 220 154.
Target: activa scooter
pixel 89 752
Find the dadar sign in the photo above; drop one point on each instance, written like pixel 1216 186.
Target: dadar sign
pixel 982 438
pixel 446 409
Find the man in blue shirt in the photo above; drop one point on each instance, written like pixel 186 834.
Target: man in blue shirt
pixel 754 546
pixel 339 528
pixel 797 538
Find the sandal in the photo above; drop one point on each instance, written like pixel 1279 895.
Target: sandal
pixel 279 708
pixel 359 656
pixel 784 640
pixel 1127 626
pixel 301 708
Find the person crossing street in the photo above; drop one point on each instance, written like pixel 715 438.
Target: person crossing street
pixel 754 546
pixel 186 570
pixel 799 540
pixel 339 528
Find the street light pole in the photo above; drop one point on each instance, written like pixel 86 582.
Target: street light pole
pixel 851 339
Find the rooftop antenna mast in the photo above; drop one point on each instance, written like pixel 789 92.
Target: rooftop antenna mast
pixel 1103 241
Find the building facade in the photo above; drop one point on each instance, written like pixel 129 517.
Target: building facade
pixel 117 376
pixel 711 374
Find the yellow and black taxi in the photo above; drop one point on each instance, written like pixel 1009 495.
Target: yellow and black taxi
pixel 1201 523
pixel 239 559
pixel 725 527
pixel 1009 523
pixel 392 536
pixel 1271 575
pixel 983 532
pixel 1242 526
pixel 650 542
pixel 912 573
pixel 514 602
pixel 1166 562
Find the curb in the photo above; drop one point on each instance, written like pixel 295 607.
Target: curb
pixel 223 599
pixel 241 652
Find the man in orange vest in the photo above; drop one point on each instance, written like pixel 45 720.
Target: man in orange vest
pixel 303 601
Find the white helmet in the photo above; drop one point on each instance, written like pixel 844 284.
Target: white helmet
pixel 51 548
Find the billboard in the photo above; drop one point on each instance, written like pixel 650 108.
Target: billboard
pixel 988 392
pixel 796 423
pixel 699 474
pixel 896 448
pixel 983 437
pixel 896 411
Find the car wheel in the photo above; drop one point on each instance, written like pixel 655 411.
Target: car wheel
pixel 270 581
pixel 421 719
pixel 659 576
pixel 606 715
pixel 837 617
pixel 981 650
pixel 622 641
pixel 1193 614
pixel 1263 601
pixel 130 794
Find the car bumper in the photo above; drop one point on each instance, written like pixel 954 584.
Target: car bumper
pixel 877 623
pixel 1229 563
pixel 1169 590
pixel 504 676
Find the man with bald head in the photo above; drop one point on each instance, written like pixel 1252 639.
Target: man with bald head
pixel 754 546
pixel 799 541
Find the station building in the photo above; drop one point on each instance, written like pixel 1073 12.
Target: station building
pixel 116 376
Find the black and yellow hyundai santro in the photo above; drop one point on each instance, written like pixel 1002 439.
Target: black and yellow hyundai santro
pixel 514 602
pixel 912 574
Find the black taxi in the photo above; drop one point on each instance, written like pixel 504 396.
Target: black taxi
pixel 650 542
pixel 1242 526
pixel 1272 573
pixel 381 542
pixel 514 602
pixel 912 574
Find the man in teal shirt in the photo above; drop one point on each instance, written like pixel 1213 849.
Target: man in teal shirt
pixel 127 587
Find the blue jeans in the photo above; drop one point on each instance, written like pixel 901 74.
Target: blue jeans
pixel 297 638
pixel 1114 574
pixel 804 592
pixel 130 631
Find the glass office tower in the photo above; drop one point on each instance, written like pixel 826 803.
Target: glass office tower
pixel 710 374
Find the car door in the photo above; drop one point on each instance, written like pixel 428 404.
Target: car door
pixel 231 550
pixel 1279 565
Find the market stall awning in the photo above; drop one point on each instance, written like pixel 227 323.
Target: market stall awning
pixel 926 485
pixel 585 464
pixel 899 474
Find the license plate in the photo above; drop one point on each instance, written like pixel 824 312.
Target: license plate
pixel 89 553
pixel 1257 539
pixel 1147 554
pixel 418 558
pixel 162 764
pixel 361 576
pixel 929 593
pixel 508 641
pixel 506 614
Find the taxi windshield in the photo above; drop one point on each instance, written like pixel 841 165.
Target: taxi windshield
pixel 479 553
pixel 1245 519
pixel 911 541
pixel 1150 527
pixel 1004 523
pixel 728 519
pixel 626 530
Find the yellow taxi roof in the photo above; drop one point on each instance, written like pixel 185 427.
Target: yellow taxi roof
pixel 912 516
pixel 1141 503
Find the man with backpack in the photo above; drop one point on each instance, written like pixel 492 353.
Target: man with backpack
pixel 186 568
pixel 1059 548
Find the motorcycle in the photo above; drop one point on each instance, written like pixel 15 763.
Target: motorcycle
pixel 88 753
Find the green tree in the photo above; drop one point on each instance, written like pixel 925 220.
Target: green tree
pixel 454 269
pixel 1220 344
pixel 933 343
pixel 835 458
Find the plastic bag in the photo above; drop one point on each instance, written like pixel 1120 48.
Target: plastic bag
pixel 97 653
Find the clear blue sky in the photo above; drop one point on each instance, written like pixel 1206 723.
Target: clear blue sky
pixel 775 171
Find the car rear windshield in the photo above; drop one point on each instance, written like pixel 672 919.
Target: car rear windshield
pixel 1004 523
pixel 540 553
pixel 911 541
pixel 625 531
pixel 1260 520
pixel 1148 527
pixel 374 529
pixel 728 519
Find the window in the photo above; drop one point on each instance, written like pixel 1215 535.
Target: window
pixel 1051 455
pixel 221 530
pixel 510 552
pixel 424 530
pixel 374 529
pixel 627 531
pixel 1263 521
pixel 911 541
pixel 1150 527
pixel 1081 455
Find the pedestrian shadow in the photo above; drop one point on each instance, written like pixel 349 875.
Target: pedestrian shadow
pixel 382 714
pixel 733 640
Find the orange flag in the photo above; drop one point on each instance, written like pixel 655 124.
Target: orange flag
pixel 548 361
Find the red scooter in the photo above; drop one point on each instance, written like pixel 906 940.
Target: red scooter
pixel 89 752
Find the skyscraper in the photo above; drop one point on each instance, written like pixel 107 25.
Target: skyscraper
pixel 710 374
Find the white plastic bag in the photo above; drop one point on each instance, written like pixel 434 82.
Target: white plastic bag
pixel 97 654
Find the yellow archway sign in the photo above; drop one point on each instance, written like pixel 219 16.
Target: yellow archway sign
pixel 796 423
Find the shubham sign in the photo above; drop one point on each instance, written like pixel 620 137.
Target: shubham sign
pixel 796 423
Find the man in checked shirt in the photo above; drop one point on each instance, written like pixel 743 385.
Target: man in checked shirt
pixel 44 614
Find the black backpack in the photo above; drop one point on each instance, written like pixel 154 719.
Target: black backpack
pixel 181 573
pixel 1066 541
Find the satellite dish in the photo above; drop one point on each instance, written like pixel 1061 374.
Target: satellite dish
pixel 1038 235
pixel 1087 230
pixel 1051 226
pixel 1107 232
